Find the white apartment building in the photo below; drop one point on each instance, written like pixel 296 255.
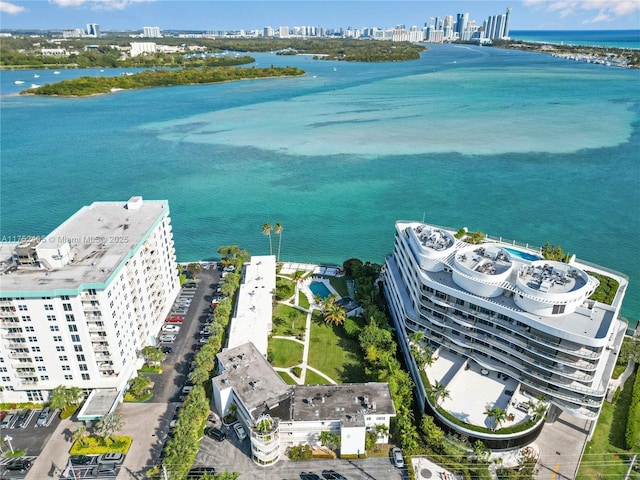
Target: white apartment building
pixel 139 48
pixel 276 415
pixel 151 32
pixel 78 305
pixel 509 313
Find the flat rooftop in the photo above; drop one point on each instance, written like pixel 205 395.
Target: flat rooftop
pixel 346 402
pixel 101 236
pixel 251 376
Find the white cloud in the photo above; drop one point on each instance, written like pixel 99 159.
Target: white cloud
pixel 10 8
pixel 99 4
pixel 605 10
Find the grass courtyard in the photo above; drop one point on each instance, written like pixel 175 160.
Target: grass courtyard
pixel 288 321
pixel 285 353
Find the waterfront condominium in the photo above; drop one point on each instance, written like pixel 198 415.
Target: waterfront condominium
pixel 77 306
pixel 486 324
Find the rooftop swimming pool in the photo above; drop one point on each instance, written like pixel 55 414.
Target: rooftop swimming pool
pixel 523 255
pixel 319 289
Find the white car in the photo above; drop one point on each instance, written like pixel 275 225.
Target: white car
pixel 239 429
pixel 398 460
pixel 168 337
pixel 171 328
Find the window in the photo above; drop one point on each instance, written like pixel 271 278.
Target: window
pixel 63 358
pixel 22 308
pixel 75 338
pixel 26 318
pixel 33 339
pixel 77 348
pixel 66 368
pixel 66 307
pixel 557 309
pixel 48 307
pixel 35 349
pixel 51 318
pixel 70 317
pixel 59 348
pixel 44 377
pixel 29 329
pixel 68 377
pixel 39 359
pixel 3 369
pixel 6 379
pixel 54 328
pixel 42 368
pixel 64 297
pixel 85 376
pixel 80 358
pixel 73 328
pixel 57 338
pixel 83 367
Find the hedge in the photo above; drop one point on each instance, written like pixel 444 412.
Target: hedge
pixel 631 434
pixel 95 446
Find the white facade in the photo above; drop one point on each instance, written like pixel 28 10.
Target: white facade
pixel 78 305
pixel 139 48
pixel 151 32
pixel 509 310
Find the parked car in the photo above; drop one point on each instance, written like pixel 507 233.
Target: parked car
pixel 107 468
pixel 229 268
pixel 171 328
pixel 43 417
pixel 81 459
pixel 115 458
pixel 174 319
pixel 167 337
pixel 166 349
pixel 3 414
pixel 239 429
pixel 398 460
pixel 309 476
pixel 197 472
pixel 21 419
pixel 189 285
pixel 203 340
pixel 19 465
pixel 187 388
pixel 215 433
pixel 8 420
pixel 333 475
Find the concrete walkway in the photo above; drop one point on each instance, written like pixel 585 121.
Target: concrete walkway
pixel 53 459
pixel 620 381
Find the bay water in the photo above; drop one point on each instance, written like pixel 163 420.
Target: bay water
pixel 516 144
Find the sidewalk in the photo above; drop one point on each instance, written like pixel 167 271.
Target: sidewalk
pixel 53 459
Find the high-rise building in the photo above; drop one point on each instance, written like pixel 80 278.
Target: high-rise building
pixel 501 320
pixel 507 25
pixel 151 32
pixel 77 306
pixel 93 30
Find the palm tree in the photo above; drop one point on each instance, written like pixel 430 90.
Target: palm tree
pixel 266 230
pixel 334 315
pixel 497 414
pixel 79 434
pixel 278 230
pixel 325 437
pixel 75 395
pixel 198 376
pixel 108 425
pixel 58 398
pixel 439 392
pixel 381 430
pixel 152 355
pixel 297 277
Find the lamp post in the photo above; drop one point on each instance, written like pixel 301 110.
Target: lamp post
pixel 8 439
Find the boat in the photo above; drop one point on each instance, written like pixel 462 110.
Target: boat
pixel 335 69
pixel 56 73
pixel 18 82
pixel 35 75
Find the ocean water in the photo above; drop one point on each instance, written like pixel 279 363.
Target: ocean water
pixel 597 38
pixel 515 144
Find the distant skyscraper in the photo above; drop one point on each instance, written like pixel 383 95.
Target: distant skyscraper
pixel 506 22
pixel 268 32
pixel 151 32
pixel 93 30
pixel 461 23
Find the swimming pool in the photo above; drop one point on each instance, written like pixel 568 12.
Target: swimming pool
pixel 523 255
pixel 319 289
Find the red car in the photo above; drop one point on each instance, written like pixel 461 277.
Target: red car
pixel 3 414
pixel 174 319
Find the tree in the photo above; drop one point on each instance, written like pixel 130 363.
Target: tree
pixel 152 355
pixel 334 315
pixel 79 434
pixel 108 425
pixel 497 414
pixel 334 441
pixel 139 385
pixel 439 392
pixel 195 268
pixel 278 230
pixel 58 398
pixel 381 430
pixel 432 433
pixel 324 437
pixel 266 230
pixel 75 395
pixel 199 375
pixel 480 451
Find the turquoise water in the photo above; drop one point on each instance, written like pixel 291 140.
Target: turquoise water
pixel 521 254
pixel 320 289
pixel 515 144
pixel 598 38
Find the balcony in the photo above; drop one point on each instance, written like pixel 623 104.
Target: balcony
pixel 13 335
pixel 27 373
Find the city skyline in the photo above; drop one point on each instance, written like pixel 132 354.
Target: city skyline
pixel 249 15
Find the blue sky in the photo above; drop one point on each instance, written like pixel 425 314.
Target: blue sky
pixel 248 15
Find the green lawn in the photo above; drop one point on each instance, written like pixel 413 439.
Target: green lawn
pixel 333 353
pixel 303 301
pixel 312 378
pixel 288 321
pixel 284 353
pixel 287 378
pixel 605 456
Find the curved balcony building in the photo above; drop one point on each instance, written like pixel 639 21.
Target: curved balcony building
pixel 499 317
